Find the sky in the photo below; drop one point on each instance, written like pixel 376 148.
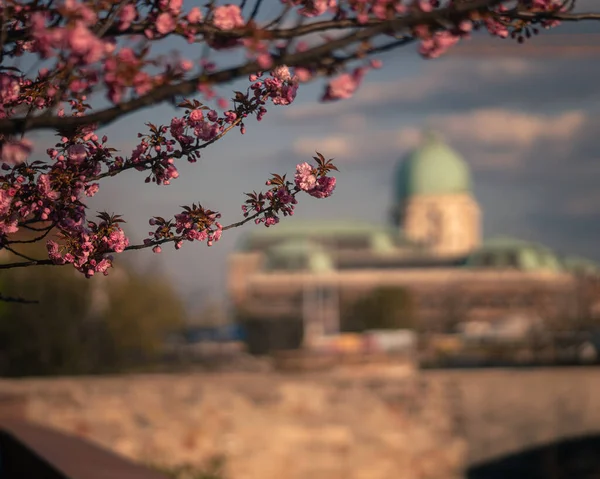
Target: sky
pixel 525 118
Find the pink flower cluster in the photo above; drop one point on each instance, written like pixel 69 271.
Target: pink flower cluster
pixel 345 85
pixel 76 38
pixel 434 45
pixel 15 151
pixel 88 249
pixel 281 198
pixel 281 86
pixel 313 8
pixel 228 17
pixel 194 223
pixel 307 180
pixel 124 70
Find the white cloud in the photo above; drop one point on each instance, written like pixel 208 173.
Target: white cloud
pixel 499 127
pixel 490 138
pixel 360 145
pixel 450 75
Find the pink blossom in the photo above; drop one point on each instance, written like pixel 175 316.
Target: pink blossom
pixel 128 15
pixel 82 10
pixel 142 83
pixel 194 15
pixel 303 74
pixel 84 44
pixel 15 152
pixel 344 86
pixel 157 249
pixel 206 131
pixel 196 115
pixel 186 65
pixel 264 61
pixel 5 201
pixel 92 189
pixel 305 178
pixel 9 88
pixel 438 44
pixel 282 73
pixel 45 188
pixel 324 187
pixel 103 265
pixel 77 153
pixel 174 6
pixel 117 241
pixel 315 8
pixel 165 23
pixel 228 17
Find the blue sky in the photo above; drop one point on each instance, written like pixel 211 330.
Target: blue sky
pixel 524 117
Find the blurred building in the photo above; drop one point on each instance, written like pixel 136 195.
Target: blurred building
pixel 288 283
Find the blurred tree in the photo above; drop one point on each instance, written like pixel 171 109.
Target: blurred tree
pixel 82 326
pixel 143 310
pixel 384 308
pixel 43 338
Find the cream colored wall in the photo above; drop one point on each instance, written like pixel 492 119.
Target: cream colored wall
pixel 242 266
pixel 368 278
pixel 450 224
pixel 266 292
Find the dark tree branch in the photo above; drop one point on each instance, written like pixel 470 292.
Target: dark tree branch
pixel 15 252
pixel 187 87
pixel 23 264
pixel 34 240
pixel 10 299
pixel 255 9
pixel 563 17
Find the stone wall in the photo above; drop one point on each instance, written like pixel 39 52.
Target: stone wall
pixel 378 425
pixel 505 411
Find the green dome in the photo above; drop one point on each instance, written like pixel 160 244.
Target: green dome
pixel 503 253
pixel 298 255
pixel 432 169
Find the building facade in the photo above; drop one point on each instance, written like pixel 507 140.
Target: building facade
pixel 294 283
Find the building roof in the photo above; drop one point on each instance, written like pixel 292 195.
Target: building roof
pixel 432 169
pixel 577 264
pixel 298 255
pixel 376 237
pixel 505 252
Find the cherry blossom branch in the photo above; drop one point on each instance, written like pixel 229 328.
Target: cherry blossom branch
pixel 129 166
pixel 187 87
pixel 48 262
pixel 195 223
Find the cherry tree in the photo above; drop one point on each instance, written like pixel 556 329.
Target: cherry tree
pixel 74 66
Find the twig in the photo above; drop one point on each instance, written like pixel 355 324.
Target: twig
pixel 15 252
pixel 11 299
pixel 34 240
